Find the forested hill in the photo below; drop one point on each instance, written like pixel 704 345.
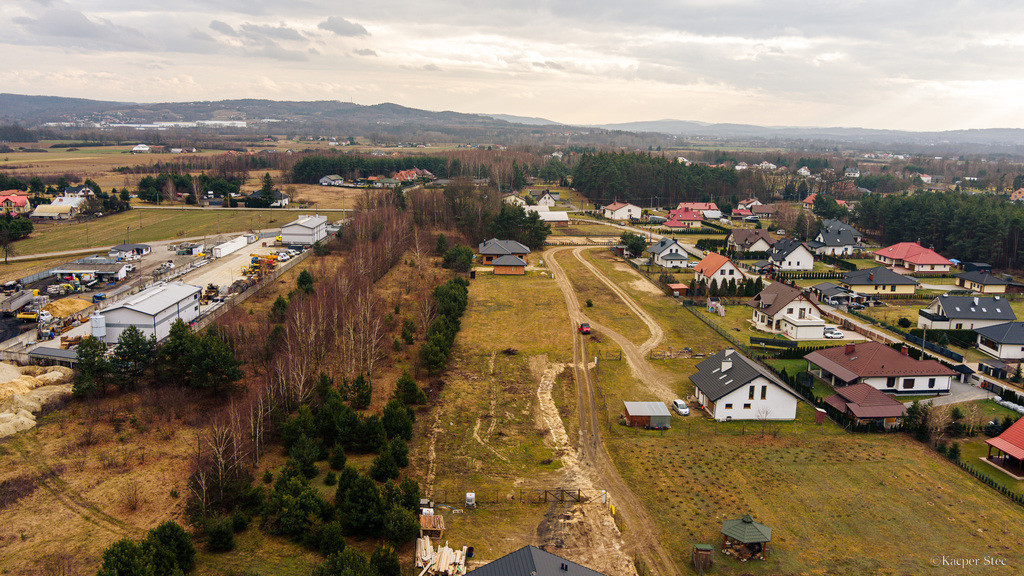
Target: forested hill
pixel 647 180
pixel 970 228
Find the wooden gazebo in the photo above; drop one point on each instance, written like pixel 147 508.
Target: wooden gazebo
pixel 745 539
pixel 1010 449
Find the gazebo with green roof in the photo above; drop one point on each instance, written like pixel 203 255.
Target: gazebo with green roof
pixel 745 539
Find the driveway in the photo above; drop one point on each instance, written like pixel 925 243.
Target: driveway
pixel 959 392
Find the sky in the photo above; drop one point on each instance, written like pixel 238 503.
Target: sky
pixel 911 65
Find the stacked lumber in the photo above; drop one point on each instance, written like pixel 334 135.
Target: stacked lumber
pixel 443 561
pixel 67 342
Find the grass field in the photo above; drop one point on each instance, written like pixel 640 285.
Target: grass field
pixel 607 308
pixel 150 225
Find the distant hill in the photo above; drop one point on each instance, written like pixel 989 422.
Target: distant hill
pixel 526 120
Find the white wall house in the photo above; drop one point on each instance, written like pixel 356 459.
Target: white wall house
pixel 729 386
pixel 950 312
pixel 305 230
pixel 545 199
pixel 152 311
pixel 716 267
pixel 782 309
pixel 668 253
pixel 620 211
pixel 789 254
pixel 1004 341
pixel 881 367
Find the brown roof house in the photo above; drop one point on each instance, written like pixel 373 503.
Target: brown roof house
pixel 782 309
pixel 863 405
pixel 881 367
pixel 756 240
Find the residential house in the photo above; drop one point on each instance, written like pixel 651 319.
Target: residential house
pixel 730 386
pixel 878 280
pixel 80 191
pixel 789 254
pixel 412 175
pixel 741 166
pixel 708 209
pixel 766 166
pixel 332 180
pixel 750 241
pixel 544 198
pixel 514 200
pixel 1017 195
pixel 741 213
pixel 981 282
pixel 836 238
pixel 14 202
pixel 129 251
pixel 60 208
pixel 667 253
pixel 680 219
pixel 808 202
pixel 715 267
pixel 881 367
pixel 926 178
pixel 804 171
pixel 278 199
pixel 620 211
pixel 852 173
pixel 782 309
pixel 912 257
pixel 532 561
pixel 763 211
pixel 140 149
pixel 509 265
pixel 305 230
pixel 749 203
pixel 864 405
pixel 951 312
pixel 494 248
pixel 1004 341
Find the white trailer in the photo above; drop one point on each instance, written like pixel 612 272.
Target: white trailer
pixel 229 247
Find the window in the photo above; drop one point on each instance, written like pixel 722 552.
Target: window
pixel 789 310
pixel 728 406
pixel 751 396
pixel 746 406
pixel 730 272
pixel 764 392
pixel 892 288
pixel 931 382
pixel 908 383
pixel 959 325
pixel 890 382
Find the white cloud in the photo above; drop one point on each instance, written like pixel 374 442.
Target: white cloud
pixel 342 27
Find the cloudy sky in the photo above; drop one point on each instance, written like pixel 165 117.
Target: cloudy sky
pixel 912 64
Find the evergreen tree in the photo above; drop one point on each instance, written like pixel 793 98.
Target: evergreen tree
pixel 132 358
pixel 441 246
pixel 407 391
pixel 362 392
pixel 362 511
pixel 92 365
pixel 170 548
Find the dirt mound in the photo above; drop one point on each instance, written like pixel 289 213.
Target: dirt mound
pixel 27 391
pixel 66 307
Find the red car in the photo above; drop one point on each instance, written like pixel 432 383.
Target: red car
pixel 584 328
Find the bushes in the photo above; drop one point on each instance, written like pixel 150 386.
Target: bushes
pixel 458 258
pixel 451 299
pixel 166 550
pixel 220 536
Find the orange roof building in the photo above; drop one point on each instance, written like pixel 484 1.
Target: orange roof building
pixel 913 257
pixel 716 267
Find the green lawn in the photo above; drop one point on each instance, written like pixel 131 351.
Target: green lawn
pixel 150 225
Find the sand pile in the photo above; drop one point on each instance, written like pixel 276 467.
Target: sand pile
pixel 66 307
pixel 26 391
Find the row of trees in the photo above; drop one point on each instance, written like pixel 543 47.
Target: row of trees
pixel 167 186
pixel 451 300
pixel 648 179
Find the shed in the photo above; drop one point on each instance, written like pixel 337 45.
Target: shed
pixel 677 290
pixel 431 525
pixel 509 265
pixel 646 414
pixel 745 539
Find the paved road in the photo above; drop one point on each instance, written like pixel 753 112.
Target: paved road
pixel 959 392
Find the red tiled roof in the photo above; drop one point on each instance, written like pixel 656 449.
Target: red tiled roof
pixel 685 214
pixel 15 196
pixel 912 252
pixel 697 206
pixel 872 359
pixel 741 212
pixel 616 205
pixel 710 264
pixel 865 401
pixel 1011 441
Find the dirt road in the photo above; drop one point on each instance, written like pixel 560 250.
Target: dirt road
pixel 643 537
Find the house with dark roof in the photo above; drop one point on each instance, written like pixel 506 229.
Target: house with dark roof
pixel 789 254
pixel 863 405
pixel 757 240
pixel 620 211
pixel 836 238
pixel 881 367
pixel 912 257
pixel 667 253
pixel 278 199
pixel 509 265
pixel 491 249
pixel 981 281
pixel 878 280
pixel 835 295
pixel 715 267
pixel 1009 449
pixel 782 309
pixel 544 197
pixel 1004 341
pixel 532 561
pixel 952 312
pixel 763 211
pixel 730 386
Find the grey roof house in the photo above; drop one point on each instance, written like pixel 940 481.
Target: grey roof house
pixel 836 238
pixel 730 386
pixel 532 561
pixel 1004 341
pixel 981 281
pixel 668 253
pixel 494 248
pixel 950 312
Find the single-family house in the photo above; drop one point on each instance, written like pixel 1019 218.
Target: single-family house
pixel 808 202
pixel 836 238
pixel 708 209
pixel 926 178
pixel 782 309
pixel 492 249
pixel 852 173
pixel 80 191
pixel 14 202
pixel 730 386
pixel 1004 341
pixel 304 230
pixel 864 405
pixel 743 240
pixel 741 166
pixel 60 208
pixel 789 254
pixel 509 265
pixel 952 312
pixel 620 211
pixel 715 267
pixel 981 282
pixel 667 253
pixel 804 171
pixel 278 199
pixel 646 415
pixel 681 219
pixel 514 200
pixel 763 211
pixel 1010 449
pixel 140 149
pixel 749 203
pixel 332 180
pixel 912 257
pixel 878 280
pixel 543 197
pixel 881 367
pixel 740 213
pixel 532 561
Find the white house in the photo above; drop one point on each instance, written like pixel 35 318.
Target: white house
pixel 836 239
pixel 514 200
pixel 152 311
pixel 332 180
pixel 544 198
pixel 716 267
pixel 852 173
pixel 668 253
pixel 782 309
pixel 749 203
pixel 789 254
pixel 804 171
pixel 306 230
pixel 949 312
pixel 620 211
pixel 730 386
pixel 881 367
pixel 1004 341
pixel 750 240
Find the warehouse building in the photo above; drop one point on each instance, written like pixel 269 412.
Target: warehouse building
pixel 152 311
pixel 307 230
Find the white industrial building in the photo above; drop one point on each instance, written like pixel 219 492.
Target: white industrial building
pixel 305 230
pixel 152 311
pixel 231 246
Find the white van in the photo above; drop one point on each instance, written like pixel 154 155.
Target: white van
pixel 680 407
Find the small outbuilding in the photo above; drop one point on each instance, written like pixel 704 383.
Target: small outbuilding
pixel 646 415
pixel 432 525
pixel 509 265
pixel 745 539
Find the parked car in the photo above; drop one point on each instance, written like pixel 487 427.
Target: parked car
pixel 680 407
pixel 584 328
pixel 854 306
pixel 834 334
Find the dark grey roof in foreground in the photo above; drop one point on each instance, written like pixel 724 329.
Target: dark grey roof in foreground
pixel 497 247
pixel 982 277
pixel 975 308
pixel 532 561
pixel 714 383
pixel 509 261
pixel 1008 333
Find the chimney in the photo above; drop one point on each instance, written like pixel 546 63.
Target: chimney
pixel 727 361
pixel 975 300
pixel 905 351
pixel 849 349
pixel 871 277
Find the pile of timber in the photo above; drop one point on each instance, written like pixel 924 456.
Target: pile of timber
pixel 443 561
pixel 67 342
